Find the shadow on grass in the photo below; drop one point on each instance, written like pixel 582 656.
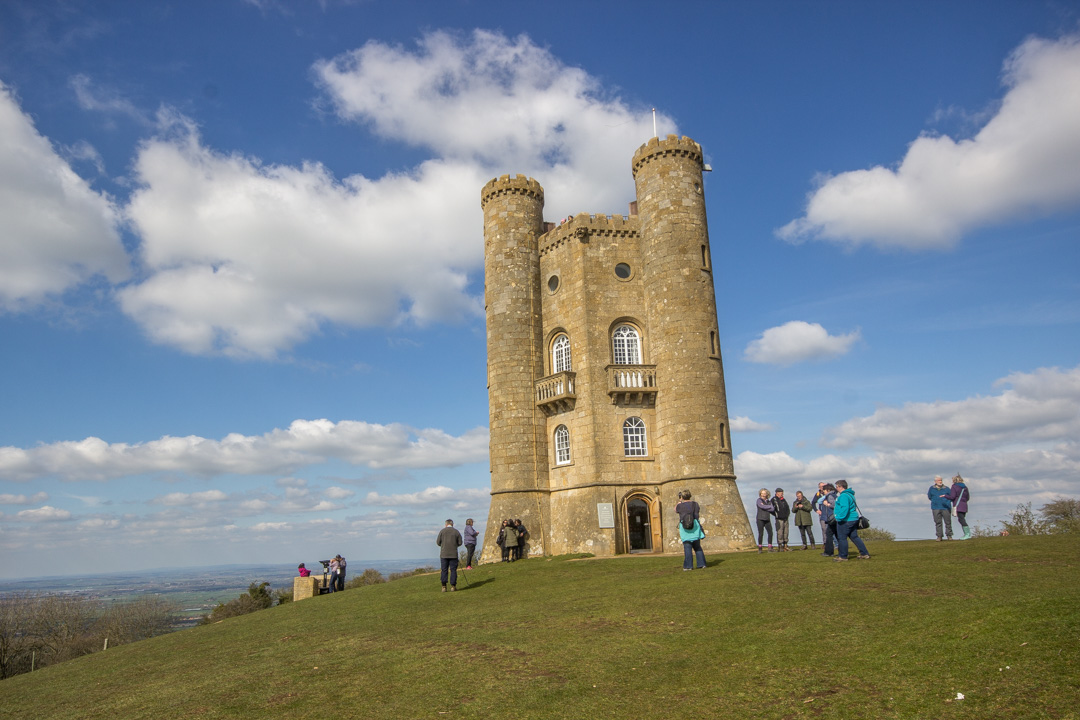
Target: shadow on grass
pixel 475 584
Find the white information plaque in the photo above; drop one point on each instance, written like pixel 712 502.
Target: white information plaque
pixel 606 514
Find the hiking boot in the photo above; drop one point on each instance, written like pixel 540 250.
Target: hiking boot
pixel 864 557
pixel 444 588
pixel 453 588
pixel 839 559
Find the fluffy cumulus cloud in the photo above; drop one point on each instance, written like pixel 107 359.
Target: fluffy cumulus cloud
pixel 1023 161
pixel 798 341
pixel 10 499
pixel 502 103
pixel 247 259
pixel 303 443
pixel 1013 447
pixel 58 232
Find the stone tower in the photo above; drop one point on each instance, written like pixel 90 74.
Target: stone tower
pixel 605 379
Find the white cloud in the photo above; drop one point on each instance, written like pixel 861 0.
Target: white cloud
pixel 303 443
pixel 1043 406
pixel 196 499
pixel 797 341
pixel 505 104
pixel 46 513
pixel 104 100
pixel 742 423
pixel 9 499
pixel 1024 160
pixel 248 260
pixel 338 493
pixel 57 231
pixel 429 496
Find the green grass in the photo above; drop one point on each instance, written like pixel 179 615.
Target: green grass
pixel 788 635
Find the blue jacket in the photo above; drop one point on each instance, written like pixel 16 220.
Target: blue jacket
pixel 825 505
pixel 845 509
pixel 940 497
pixel 470 535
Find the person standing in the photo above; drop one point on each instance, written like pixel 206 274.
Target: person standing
pixel 846 512
pixel 689 513
pixel 783 513
pixel 765 513
pixel 816 507
pixel 334 566
pixel 825 507
pixel 511 546
pixel 521 533
pixel 804 518
pixel 941 506
pixel 339 579
pixel 449 540
pixel 470 542
pixel 501 542
pixel 958 495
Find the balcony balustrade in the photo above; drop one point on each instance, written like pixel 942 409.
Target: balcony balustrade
pixel 632 384
pixel 555 393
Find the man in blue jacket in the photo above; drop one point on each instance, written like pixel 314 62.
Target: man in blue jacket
pixel 846 512
pixel 941 505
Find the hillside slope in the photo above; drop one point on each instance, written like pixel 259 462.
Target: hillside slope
pixel 752 636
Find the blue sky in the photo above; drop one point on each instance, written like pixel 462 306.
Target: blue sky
pixel 241 267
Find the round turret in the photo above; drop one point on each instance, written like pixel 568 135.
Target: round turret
pixel 691 407
pixel 513 222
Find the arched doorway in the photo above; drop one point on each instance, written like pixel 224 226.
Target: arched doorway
pixel 642 524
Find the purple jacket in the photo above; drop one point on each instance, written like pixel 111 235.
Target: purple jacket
pixel 959 495
pixel 470 535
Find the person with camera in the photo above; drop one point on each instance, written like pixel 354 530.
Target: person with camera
pixel 847 514
pixel 449 540
pixel 690 531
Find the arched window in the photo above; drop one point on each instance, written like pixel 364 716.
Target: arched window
pixel 560 354
pixel 633 435
pixel 626 345
pixel 562 445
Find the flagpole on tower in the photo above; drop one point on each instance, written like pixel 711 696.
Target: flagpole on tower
pixel 654 123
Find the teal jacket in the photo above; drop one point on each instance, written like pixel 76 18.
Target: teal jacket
pixel 846 510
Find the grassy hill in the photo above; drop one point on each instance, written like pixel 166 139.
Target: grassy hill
pixel 752 636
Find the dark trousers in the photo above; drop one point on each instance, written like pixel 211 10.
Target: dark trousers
pixel 339 582
pixel 505 553
pixel 850 530
pixel 961 517
pixel 469 550
pixel 451 565
pixel 762 526
pixel 688 559
pixel 804 531
pixel 830 537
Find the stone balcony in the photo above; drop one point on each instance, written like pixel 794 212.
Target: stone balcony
pixel 632 384
pixel 555 393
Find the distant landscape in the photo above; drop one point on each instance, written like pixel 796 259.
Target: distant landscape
pixel 194 590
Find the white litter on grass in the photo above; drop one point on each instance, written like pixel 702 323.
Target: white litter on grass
pixel 959 696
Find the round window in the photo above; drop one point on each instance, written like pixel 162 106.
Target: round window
pixel 553 283
pixel 622 271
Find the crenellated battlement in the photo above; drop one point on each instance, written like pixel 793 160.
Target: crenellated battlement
pixel 506 185
pixel 584 226
pixel 672 146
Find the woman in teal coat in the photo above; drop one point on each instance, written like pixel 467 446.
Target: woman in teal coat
pixel 689 514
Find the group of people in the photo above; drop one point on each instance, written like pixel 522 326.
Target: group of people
pixel 776 509
pixel 512 535
pixel 336 570
pixel 949 502
pixel 837 513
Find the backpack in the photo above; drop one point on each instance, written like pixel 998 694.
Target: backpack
pixel 687 518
